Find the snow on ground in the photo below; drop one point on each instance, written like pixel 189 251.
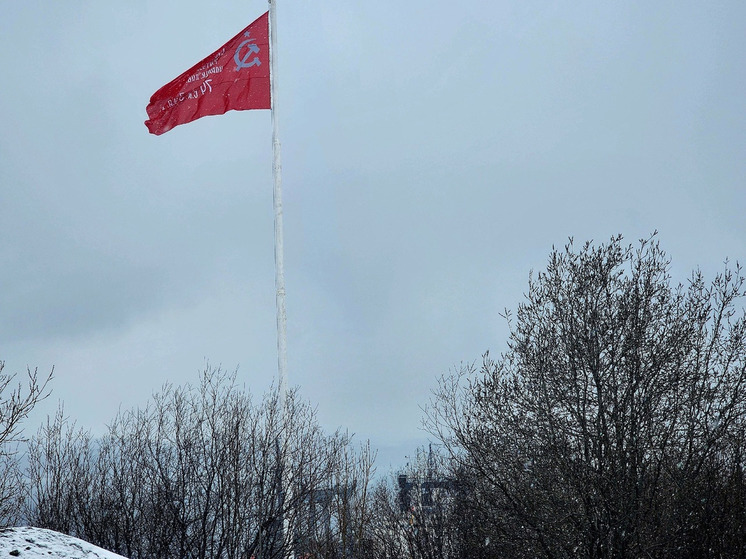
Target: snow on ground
pixel 35 543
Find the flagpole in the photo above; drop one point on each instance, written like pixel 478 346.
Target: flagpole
pixel 277 199
pixel 285 488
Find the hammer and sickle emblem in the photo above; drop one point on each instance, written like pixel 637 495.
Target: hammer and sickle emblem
pixel 243 61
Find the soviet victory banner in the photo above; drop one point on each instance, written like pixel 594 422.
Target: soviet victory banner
pixel 233 78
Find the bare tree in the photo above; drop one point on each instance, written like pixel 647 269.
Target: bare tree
pixel 613 426
pixel 200 472
pixel 16 402
pixel 415 512
pixel 58 474
pixel 333 520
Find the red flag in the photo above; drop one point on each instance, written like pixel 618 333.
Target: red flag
pixel 235 77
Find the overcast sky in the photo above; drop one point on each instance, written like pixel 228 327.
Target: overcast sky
pixel 433 153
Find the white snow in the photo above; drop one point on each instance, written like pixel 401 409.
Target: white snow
pixel 35 543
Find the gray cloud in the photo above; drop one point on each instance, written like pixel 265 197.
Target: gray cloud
pixel 432 155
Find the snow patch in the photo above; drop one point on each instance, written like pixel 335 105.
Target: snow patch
pixel 37 543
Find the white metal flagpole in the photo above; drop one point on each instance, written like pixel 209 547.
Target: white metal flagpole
pixel 277 197
pixel 279 273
